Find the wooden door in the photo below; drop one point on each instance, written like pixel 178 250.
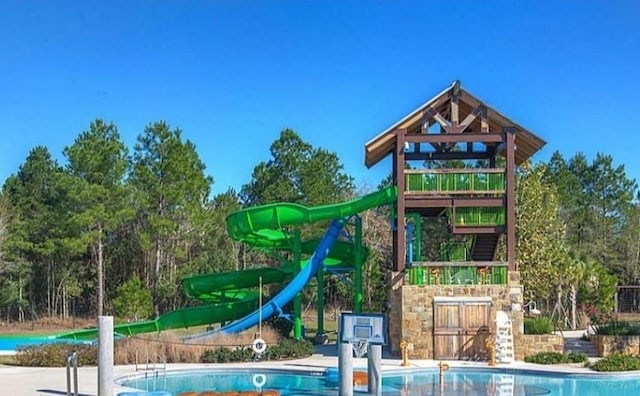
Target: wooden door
pixel 460 329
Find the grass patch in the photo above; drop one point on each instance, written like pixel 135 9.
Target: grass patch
pixel 9 360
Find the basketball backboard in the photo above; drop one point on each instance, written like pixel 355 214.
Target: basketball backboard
pixel 363 327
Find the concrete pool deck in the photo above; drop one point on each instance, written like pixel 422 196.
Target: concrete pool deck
pixel 52 381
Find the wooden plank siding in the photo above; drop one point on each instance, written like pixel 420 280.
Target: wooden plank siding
pixel 460 329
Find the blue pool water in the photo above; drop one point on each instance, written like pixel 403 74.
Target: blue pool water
pixel 9 343
pixel 469 382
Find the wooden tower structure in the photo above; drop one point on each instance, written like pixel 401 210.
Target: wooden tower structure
pixel 478 201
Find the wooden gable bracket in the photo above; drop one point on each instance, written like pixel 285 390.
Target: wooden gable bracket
pixel 478 110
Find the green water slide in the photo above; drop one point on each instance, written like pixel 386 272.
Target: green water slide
pixel 222 292
pixel 231 295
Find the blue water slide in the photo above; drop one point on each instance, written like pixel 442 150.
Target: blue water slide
pixel 274 306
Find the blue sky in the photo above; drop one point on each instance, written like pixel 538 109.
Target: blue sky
pixel 233 74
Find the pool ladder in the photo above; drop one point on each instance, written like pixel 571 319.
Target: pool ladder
pixel 152 370
pixel 151 364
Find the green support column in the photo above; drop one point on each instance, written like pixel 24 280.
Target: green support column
pixel 357 301
pixel 297 300
pixel 320 304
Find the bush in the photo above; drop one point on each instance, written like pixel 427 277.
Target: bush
pixel 133 301
pixel 617 362
pixel 286 349
pixel 556 358
pixel 226 355
pixel 618 328
pixel 281 325
pixel 55 355
pixel 289 348
pixel 538 325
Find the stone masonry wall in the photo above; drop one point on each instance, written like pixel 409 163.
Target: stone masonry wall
pixel 536 343
pixel 410 315
pixel 607 345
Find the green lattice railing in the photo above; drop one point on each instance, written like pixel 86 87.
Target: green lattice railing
pixel 487 181
pixel 487 216
pixel 458 275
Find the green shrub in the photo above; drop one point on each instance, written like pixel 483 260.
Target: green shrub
pixel 538 325
pixel 226 355
pixel 133 301
pixel 55 355
pixel 617 362
pixel 577 357
pixel 286 349
pixel 618 328
pixel 281 325
pixel 289 348
pixel 556 358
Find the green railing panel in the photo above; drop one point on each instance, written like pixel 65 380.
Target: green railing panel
pixel 479 216
pixel 452 182
pixel 464 275
pixel 496 181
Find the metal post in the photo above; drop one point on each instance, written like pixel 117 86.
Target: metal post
pixel 72 358
pixel 105 356
pixel 345 369
pixel 374 369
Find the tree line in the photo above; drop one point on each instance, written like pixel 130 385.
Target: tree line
pixel 115 220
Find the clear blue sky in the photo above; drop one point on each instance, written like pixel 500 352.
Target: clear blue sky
pixel 338 72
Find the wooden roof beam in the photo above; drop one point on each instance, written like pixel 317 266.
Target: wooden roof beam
pixel 461 138
pixel 469 119
pixel 451 155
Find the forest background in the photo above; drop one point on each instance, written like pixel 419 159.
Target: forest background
pixel 115 228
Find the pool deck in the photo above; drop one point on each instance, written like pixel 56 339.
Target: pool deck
pixel 52 381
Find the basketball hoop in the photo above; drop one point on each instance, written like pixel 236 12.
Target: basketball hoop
pixel 360 347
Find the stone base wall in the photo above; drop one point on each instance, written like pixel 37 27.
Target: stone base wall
pixel 410 316
pixel 607 345
pixel 537 343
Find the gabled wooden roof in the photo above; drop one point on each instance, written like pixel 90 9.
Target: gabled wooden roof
pixel 527 143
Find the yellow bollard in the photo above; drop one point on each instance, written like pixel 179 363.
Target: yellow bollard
pixel 404 345
pixel 491 349
pixel 443 367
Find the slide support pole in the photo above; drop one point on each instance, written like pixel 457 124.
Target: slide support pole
pixel 320 304
pixel 357 301
pixel 297 300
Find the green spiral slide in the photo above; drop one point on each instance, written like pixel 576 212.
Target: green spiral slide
pixel 231 295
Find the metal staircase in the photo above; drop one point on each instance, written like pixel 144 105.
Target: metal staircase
pixel 484 247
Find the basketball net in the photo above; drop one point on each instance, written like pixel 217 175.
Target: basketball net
pixel 360 348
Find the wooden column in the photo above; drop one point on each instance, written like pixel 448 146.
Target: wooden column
pixel 399 234
pixel 510 209
pixel 455 112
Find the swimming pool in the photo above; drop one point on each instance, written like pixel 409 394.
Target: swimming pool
pixel 10 343
pixel 457 381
